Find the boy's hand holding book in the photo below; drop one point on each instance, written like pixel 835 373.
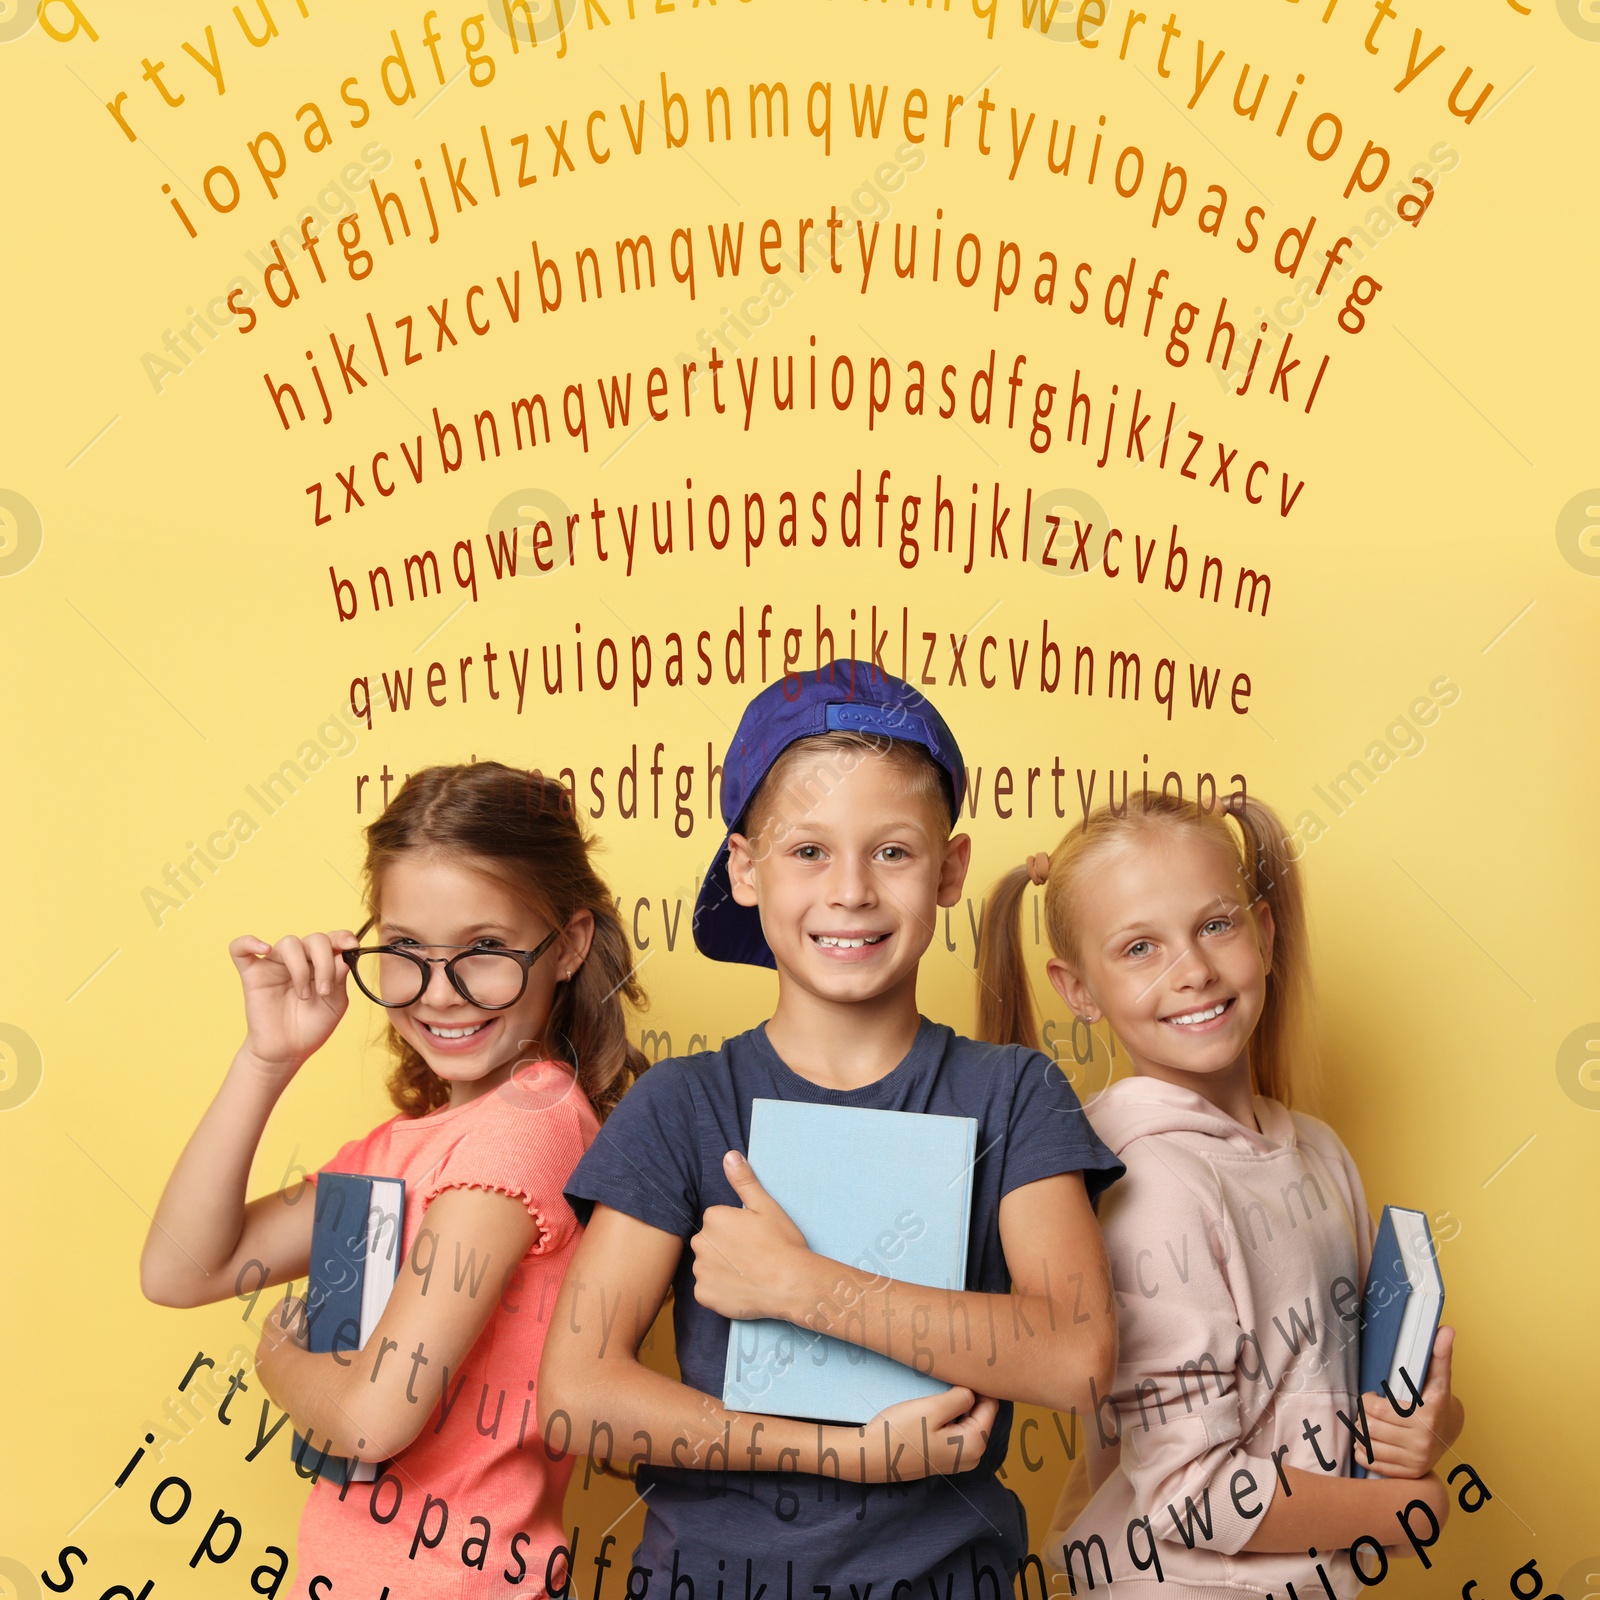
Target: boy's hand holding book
pixel 940 1434
pixel 750 1260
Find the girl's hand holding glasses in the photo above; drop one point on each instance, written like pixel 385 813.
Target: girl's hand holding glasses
pixel 294 995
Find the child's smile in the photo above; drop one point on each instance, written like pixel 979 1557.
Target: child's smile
pixel 848 882
pixel 849 946
pixel 1200 1021
pixel 1175 960
pixel 440 907
pixel 460 1035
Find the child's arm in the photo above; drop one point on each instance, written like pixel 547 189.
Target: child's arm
pixel 203 1234
pixel 374 1401
pixel 1311 1508
pixel 1043 1344
pixel 1186 1357
pixel 591 1377
pixel 1405 1452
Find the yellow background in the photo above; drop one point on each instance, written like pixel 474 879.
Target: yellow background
pixel 174 638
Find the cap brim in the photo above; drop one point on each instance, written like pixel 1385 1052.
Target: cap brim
pixel 724 930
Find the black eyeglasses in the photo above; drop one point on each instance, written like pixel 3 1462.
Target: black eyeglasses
pixel 397 976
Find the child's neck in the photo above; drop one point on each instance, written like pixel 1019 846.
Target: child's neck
pixel 464 1092
pixel 843 1045
pixel 1230 1091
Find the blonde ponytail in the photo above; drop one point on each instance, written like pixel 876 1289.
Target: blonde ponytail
pixel 1006 1013
pixel 1279 1045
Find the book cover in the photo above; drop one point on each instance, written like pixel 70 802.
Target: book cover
pixel 889 1192
pixel 355 1254
pixel 1400 1309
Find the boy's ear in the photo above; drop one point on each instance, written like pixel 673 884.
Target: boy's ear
pixel 741 869
pixel 1071 988
pixel 953 872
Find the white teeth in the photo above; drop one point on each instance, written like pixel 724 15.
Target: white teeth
pixel 454 1033
pixel 830 942
pixel 1201 1016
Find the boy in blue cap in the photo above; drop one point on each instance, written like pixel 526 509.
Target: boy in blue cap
pixel 840 792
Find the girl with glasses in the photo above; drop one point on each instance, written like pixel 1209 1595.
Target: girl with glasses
pixel 503 970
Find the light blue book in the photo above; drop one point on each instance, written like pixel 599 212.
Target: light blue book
pixel 889 1192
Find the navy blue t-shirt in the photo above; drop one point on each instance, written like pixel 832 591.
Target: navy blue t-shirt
pixel 659 1158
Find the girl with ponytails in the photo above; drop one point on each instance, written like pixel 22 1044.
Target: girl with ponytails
pixel 1221 1460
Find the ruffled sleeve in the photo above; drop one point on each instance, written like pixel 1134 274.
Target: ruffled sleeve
pixel 522 1140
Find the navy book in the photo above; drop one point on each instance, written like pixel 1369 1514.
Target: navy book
pixel 1400 1310
pixel 889 1192
pixel 355 1258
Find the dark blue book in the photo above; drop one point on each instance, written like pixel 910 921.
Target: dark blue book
pixel 355 1257
pixel 889 1192
pixel 1400 1310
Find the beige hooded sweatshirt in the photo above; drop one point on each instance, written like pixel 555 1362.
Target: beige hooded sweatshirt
pixel 1238 1259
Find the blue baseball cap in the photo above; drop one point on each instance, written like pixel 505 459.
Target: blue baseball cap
pixel 844 697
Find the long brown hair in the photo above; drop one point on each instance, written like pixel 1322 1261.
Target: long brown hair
pixel 1006 1013
pixel 524 825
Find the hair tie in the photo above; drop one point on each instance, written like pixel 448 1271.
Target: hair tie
pixel 1039 867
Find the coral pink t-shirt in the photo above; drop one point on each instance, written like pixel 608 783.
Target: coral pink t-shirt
pixel 477 1482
